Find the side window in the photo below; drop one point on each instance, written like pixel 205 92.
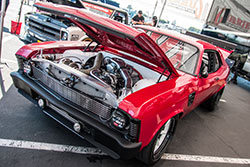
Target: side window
pixel 120 17
pixel 211 61
pixel 204 64
pixel 218 61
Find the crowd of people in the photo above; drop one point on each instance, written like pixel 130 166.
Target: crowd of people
pixel 139 20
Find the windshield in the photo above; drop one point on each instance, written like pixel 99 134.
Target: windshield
pixel 182 55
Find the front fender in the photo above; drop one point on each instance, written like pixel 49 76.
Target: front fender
pixel 151 124
pixel 156 104
pixel 171 115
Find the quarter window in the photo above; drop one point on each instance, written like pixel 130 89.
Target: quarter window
pixel 211 61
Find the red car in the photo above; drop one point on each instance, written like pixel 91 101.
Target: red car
pixel 126 89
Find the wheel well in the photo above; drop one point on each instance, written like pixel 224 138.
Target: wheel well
pixel 179 116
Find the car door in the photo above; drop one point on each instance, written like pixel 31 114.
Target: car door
pixel 209 79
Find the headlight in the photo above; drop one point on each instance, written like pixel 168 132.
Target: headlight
pixel 23 64
pixel 26 67
pixel 64 36
pixel 119 120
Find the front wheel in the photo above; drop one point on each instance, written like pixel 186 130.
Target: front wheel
pixel 157 147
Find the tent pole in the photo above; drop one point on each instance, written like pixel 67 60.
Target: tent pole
pixel 2 14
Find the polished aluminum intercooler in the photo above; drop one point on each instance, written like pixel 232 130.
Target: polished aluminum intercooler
pixel 76 97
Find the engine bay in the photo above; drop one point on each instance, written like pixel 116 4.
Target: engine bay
pixel 111 71
pixel 109 79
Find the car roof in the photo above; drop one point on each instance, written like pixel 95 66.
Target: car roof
pixel 185 38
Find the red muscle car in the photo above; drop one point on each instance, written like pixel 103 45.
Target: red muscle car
pixel 126 89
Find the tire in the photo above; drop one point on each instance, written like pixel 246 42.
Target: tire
pixel 153 152
pixel 211 103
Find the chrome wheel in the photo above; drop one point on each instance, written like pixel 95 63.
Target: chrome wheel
pixel 158 145
pixel 162 135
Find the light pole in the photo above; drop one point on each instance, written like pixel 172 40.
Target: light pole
pixel 155 8
pixel 3 6
pixel 162 11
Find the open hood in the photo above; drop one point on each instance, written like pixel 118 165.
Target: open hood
pixel 113 34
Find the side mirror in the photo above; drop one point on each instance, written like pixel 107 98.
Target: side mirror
pixel 204 74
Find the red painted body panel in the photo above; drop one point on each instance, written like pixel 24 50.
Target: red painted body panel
pixel 155 104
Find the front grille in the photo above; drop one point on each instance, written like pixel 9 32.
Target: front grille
pixel 44 28
pixel 134 129
pixel 75 97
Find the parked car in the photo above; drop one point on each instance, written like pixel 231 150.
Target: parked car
pixel 44 26
pixel 125 92
pixel 241 66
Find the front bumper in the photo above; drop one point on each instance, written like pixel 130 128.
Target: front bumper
pixel 94 132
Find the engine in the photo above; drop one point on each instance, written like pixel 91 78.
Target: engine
pixel 111 71
pixel 96 75
pixel 119 75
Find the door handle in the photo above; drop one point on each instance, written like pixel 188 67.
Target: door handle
pixel 216 79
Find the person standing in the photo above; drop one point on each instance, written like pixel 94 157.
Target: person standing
pixel 153 23
pixel 138 19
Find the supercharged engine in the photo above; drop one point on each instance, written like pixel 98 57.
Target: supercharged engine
pixel 104 78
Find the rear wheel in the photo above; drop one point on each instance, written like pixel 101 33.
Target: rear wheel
pixel 156 148
pixel 213 101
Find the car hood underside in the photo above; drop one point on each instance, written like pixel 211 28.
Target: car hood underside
pixel 113 34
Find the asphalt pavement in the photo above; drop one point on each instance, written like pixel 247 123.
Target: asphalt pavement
pixel 11 43
pixel 222 133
